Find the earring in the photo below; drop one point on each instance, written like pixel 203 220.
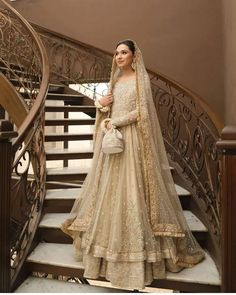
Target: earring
pixel 133 64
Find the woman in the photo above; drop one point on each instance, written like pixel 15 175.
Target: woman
pixel 128 224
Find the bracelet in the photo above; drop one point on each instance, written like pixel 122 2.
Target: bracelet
pixel 101 107
pixel 104 124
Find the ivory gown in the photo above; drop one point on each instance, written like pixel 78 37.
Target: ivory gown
pixel 110 223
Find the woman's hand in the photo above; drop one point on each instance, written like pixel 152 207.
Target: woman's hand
pixel 106 100
pixel 109 125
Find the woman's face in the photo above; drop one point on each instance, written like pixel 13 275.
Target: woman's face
pixel 124 56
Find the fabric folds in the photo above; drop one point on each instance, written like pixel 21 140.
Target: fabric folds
pixel 128 224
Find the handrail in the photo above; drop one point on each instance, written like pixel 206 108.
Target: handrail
pixel 24 60
pixel 40 100
pixel 12 102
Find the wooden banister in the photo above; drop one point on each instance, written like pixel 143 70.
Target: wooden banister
pixel 12 102
pixel 227 145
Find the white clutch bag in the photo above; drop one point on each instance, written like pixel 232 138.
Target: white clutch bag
pixel 112 142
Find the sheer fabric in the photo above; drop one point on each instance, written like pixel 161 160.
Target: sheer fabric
pixel 128 224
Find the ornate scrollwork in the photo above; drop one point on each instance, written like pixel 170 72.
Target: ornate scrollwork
pixel 191 145
pixel 75 62
pixel 28 190
pixel 20 57
pixel 23 62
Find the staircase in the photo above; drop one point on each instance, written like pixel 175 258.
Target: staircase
pixel 201 154
pixel 53 256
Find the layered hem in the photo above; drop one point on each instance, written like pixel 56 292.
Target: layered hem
pixel 167 230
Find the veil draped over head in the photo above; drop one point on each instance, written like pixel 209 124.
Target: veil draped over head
pixel 164 209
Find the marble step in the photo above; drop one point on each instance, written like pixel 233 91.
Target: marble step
pixel 54 220
pixel 50 231
pixel 67 154
pixel 43 285
pixel 67 173
pixel 60 259
pixel 67 108
pixel 61 200
pixel 73 193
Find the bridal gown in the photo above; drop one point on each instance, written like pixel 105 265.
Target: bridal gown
pixel 110 223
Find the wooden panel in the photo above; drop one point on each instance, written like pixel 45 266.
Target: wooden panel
pixel 227 144
pixel 229 224
pixel 5 173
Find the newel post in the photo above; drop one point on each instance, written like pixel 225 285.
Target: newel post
pixel 227 145
pixel 6 133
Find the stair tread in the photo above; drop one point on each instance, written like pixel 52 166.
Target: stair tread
pixel 68 133
pixel 68 170
pixel 43 285
pixel 70 150
pixel 83 107
pixel 69 119
pixel 54 220
pixel 181 191
pixel 63 255
pixel 72 193
pixel 63 194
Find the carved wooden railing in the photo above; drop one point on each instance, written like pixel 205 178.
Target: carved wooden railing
pixel 73 61
pixel 191 130
pixel 23 61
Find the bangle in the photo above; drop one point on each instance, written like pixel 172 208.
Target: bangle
pixel 104 124
pixel 101 107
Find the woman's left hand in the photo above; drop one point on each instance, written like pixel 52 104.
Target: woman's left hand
pixel 109 125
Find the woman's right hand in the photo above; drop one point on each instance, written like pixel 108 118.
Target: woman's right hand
pixel 106 100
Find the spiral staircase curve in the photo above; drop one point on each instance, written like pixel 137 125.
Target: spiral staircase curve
pixel 190 129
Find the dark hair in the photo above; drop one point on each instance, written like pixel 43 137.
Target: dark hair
pixel 129 43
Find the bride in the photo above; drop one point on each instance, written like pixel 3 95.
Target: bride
pixel 128 225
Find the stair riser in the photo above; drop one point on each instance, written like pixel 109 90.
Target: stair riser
pixel 68 156
pixel 60 185
pixel 58 206
pixel 55 138
pixel 65 97
pixel 70 109
pixel 69 122
pixel 69 177
pixel 65 206
pixel 55 235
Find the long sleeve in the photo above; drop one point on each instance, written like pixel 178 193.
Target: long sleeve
pixel 127 119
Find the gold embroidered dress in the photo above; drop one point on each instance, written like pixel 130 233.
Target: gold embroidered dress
pixel 128 224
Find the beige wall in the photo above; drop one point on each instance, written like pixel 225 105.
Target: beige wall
pixel 229 9
pixel 182 39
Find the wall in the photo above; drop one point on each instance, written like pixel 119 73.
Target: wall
pixel 229 10
pixel 182 39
